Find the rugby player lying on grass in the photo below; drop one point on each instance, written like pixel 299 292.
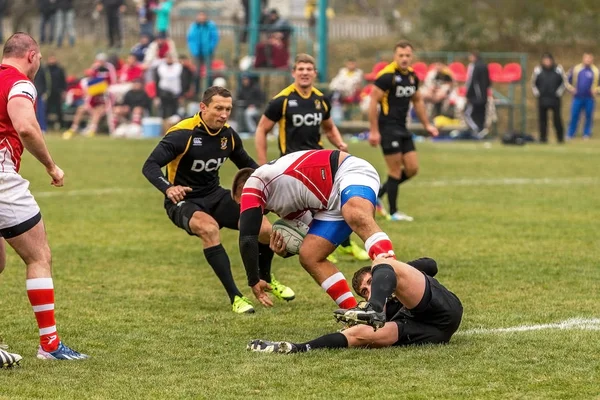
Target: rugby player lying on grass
pixel 419 310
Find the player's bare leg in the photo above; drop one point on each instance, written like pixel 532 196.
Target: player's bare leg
pixel 2 255
pixel 207 229
pixel 313 257
pixel 32 247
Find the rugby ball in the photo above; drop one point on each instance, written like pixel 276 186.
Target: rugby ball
pixel 293 233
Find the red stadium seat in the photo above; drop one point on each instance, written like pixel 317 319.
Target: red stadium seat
pixel 495 70
pixel 420 69
pixel 459 71
pixel 216 65
pixel 512 72
pixel 376 68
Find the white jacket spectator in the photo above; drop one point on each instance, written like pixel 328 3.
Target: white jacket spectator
pixel 159 50
pixel 348 80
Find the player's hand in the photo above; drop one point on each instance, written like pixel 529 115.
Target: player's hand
pixel 374 138
pixel 277 244
pixel 260 292
pixel 177 193
pixel 343 146
pixel 433 131
pixel 57 175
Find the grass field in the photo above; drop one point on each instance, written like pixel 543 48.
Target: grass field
pixel 515 232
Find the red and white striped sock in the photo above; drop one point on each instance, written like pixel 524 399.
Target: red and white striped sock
pixel 41 296
pixel 337 288
pixel 379 245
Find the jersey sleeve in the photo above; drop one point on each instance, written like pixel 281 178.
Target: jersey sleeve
pixel 274 110
pixel 253 194
pixel 239 156
pixel 169 148
pixel 23 89
pixel 384 81
pixel 417 81
pixel 326 108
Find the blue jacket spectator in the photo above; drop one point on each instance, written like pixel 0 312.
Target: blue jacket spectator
pixel 139 49
pixel 203 37
pixel 583 79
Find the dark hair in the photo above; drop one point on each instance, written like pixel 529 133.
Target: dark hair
pixel 358 277
pixel 240 179
pixel 214 91
pixel 18 45
pixel 304 58
pixel 403 44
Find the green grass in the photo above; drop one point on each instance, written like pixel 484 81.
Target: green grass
pixel 135 292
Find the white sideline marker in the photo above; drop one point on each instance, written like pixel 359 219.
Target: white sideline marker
pixel 431 183
pixel 587 324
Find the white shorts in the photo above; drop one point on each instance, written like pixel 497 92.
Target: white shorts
pixel 354 172
pixel 19 211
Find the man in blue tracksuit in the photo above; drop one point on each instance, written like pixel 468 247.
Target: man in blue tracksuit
pixel 583 79
pixel 202 40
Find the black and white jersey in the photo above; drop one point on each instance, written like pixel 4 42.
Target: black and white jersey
pixel 398 86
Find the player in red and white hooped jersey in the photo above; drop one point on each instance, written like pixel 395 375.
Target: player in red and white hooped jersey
pixel 21 222
pixel 337 190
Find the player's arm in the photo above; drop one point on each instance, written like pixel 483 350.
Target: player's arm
pixel 22 115
pixel 421 112
pixel 331 130
pixel 376 96
pixel 273 113
pixel 169 148
pixel 239 156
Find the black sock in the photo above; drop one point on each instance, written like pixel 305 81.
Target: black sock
pixel 392 192
pixel 383 284
pixel 403 177
pixel 219 261
pixel 265 258
pixel 330 341
pixel 382 190
pixel 346 242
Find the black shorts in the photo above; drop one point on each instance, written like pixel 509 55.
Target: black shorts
pixel 433 321
pixel 217 204
pixel 396 140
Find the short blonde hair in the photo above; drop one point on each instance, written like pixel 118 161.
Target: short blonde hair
pixel 304 58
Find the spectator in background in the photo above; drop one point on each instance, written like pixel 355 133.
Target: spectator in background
pixel 163 15
pixel 134 105
pixel 41 83
pixel 272 53
pixel 478 83
pixel 583 83
pixel 140 48
pixel 146 16
pixel 169 85
pixel 437 87
pixel 188 77
pixel 65 22
pixel 548 85
pixel 246 5
pixel 47 10
pixel 346 85
pixel 99 77
pixel 58 87
pixel 3 9
pixel 250 99
pixel 275 23
pixel 113 9
pixel 131 71
pixel 158 51
pixel 202 41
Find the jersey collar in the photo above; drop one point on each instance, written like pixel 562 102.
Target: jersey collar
pixel 300 93
pixel 206 128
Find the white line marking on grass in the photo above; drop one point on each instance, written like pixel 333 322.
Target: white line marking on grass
pixel 431 183
pixel 508 181
pixel 588 324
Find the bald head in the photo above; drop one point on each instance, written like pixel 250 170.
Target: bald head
pixel 18 45
pixel 22 52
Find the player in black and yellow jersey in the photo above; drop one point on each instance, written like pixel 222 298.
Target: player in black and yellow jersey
pixel 193 152
pixel 396 86
pixel 301 111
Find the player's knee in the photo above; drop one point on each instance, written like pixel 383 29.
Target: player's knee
pixel 411 171
pixel 359 335
pixel 308 258
pixel 207 231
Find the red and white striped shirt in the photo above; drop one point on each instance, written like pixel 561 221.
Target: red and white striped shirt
pixel 291 185
pixel 13 84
